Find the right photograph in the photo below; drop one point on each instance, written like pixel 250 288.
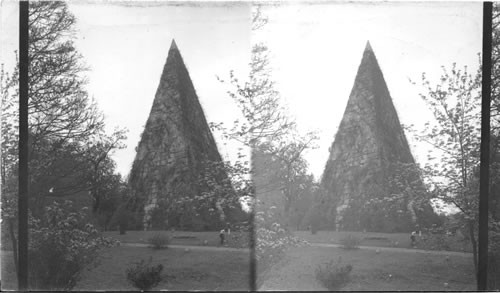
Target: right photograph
pixel 366 146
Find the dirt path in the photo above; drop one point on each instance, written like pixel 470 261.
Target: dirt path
pixel 398 249
pixel 193 247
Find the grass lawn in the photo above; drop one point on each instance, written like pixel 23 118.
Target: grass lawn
pixel 384 239
pixel 386 271
pixel 236 239
pixel 193 270
pixel 8 270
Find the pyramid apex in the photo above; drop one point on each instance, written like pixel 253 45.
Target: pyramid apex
pixel 368 47
pixel 173 46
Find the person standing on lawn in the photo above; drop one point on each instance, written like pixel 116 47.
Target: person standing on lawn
pixel 222 235
pixel 413 237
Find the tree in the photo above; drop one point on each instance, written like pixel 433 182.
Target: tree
pixel 290 170
pixel 409 200
pixel 67 141
pixel 495 115
pixel 265 124
pixel 263 117
pixel 63 120
pixel 100 168
pixel 455 136
pixel 494 192
pixel 495 69
pixel 266 129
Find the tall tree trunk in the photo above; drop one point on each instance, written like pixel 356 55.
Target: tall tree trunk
pixel 14 241
pixel 474 245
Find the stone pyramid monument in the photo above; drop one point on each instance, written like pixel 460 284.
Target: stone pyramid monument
pixel 175 145
pixel 368 147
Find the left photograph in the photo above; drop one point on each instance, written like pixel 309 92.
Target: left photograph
pixel 135 179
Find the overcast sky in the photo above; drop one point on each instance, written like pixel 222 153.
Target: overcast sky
pixel 127 46
pixel 316 51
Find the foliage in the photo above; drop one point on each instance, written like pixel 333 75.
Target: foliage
pixel 159 241
pixel 159 218
pixel 61 244
pixel 333 275
pixel 350 242
pixel 495 69
pixel 63 122
pixel 441 241
pixel 494 200
pixel 263 118
pixel 62 118
pixel 291 168
pixel 68 149
pixel 265 125
pixel 455 136
pixel 455 105
pixel 9 126
pixel 105 186
pixel 143 275
pixel 494 257
pixel 271 240
pixel 123 218
pixel 224 183
pixel 313 217
pixel 108 202
pixel 406 207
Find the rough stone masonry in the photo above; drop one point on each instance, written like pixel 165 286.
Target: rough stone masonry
pixel 369 143
pixel 173 148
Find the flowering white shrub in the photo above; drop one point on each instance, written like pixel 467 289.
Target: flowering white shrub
pixel 61 244
pixel 271 239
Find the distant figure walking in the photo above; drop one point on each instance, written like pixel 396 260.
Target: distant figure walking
pixel 223 232
pixel 413 238
pixel 222 235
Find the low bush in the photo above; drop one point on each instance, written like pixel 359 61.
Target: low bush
pixel 333 275
pixel 61 244
pixel 271 240
pixel 143 275
pixel 159 241
pixel 350 242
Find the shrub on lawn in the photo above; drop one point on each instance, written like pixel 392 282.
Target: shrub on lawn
pixel 61 244
pixel 350 242
pixel 333 275
pixel 143 275
pixel 159 241
pixel 271 240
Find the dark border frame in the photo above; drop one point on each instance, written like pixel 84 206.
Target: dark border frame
pixel 482 272
pixel 22 273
